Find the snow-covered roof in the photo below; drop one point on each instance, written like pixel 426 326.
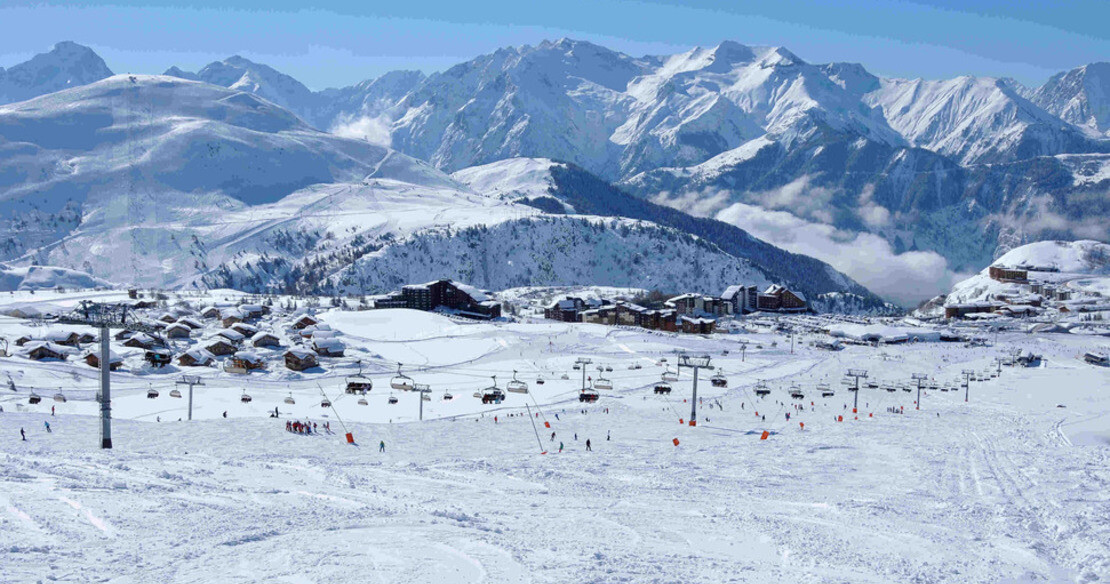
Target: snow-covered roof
pixel 112 356
pixel 29 347
pixel 300 353
pixel 474 293
pixel 199 354
pixel 261 335
pixel 247 356
pixel 732 291
pixel 230 334
pixel 330 344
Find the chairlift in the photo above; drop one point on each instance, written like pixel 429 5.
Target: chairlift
pixel 669 376
pixel 392 400
pixel 539 381
pixel 796 392
pixel 588 396
pixel 637 366
pixel 762 390
pixel 33 398
pixel 602 383
pixel 516 385
pixel 493 394
pixel 872 385
pixel 608 369
pixel 662 387
pixel 424 396
pixel 565 376
pixel 447 396
pixel 151 393
pixel 289 399
pixel 245 398
pixel 60 397
pixel 175 393
pixel 401 381
pixel 825 390
pixel 359 383
pixel 718 380
pixel 326 403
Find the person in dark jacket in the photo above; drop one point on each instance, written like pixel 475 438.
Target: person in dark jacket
pixel 588 449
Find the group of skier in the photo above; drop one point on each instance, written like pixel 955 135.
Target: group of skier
pixel 305 428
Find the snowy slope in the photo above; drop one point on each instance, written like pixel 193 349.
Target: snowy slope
pixel 46 278
pixel 1081 264
pixel 67 65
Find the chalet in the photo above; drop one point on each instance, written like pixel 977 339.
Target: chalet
pixel 697 326
pixel 328 347
pixel 58 337
pixel 304 321
pixel 23 340
pixel 40 350
pixel 741 299
pixel 317 330
pixel 178 331
pixel 253 310
pixel 158 357
pixel 565 310
pixel 114 361
pixel 220 346
pixel 196 358
pixel 210 312
pixel 231 335
pixel 247 360
pixel 124 334
pixel 140 341
pixel 967 308
pixel 245 329
pixel 300 359
pixel 778 298
pixel 264 339
pixel 462 298
pixel 230 316
pixel 167 318
pixel 190 322
pixel 88 338
pixel 1005 274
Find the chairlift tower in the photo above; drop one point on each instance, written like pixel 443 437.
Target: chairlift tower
pixel 967 382
pixel 919 378
pixel 582 362
pixel 190 380
pixel 858 374
pixel 694 363
pixel 104 396
pixel 422 389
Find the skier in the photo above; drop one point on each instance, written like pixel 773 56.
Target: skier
pixel 288 426
pixel 560 445
pixel 381 446
pixel 51 410
pixel 576 436
pixel 608 435
pixel 47 425
pixel 24 436
pixel 225 413
pixel 552 436
pixel 588 449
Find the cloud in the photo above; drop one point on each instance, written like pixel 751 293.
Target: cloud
pixel 906 278
pixel 375 130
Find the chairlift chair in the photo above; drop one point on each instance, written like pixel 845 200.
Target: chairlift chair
pixel 565 376
pixel 175 393
pixel 762 390
pixel 392 400
pixel 60 397
pixel 588 396
pixel 326 403
pixel 245 398
pixel 447 396
pixel 796 392
pixel 669 376
pixel 662 387
pixel 718 380
pixel 401 381
pixel 151 393
pixel 603 383
pixel 493 394
pixel 608 369
pixel 516 385
pixel 539 381
pixel 33 398
pixel 289 399
pixel 425 397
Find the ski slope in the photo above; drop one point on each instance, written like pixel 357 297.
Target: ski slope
pixel 1007 487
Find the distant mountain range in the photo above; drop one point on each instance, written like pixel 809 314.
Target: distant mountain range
pixel 966 167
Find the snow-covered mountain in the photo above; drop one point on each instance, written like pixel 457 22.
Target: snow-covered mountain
pixel 164 181
pixel 1080 96
pixel 67 65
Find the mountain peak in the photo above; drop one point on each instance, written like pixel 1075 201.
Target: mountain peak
pixel 68 64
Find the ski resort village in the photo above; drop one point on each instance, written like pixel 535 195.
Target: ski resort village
pixel 556 313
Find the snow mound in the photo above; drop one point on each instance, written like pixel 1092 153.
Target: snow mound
pixel 47 277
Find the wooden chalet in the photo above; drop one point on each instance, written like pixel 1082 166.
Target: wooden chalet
pixel 178 331
pixel 221 346
pixel 246 360
pixel 264 339
pixel 196 358
pixel 41 350
pixel 304 321
pixel 328 347
pixel 114 361
pixel 300 359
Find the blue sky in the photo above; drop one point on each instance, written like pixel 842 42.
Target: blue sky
pixel 340 43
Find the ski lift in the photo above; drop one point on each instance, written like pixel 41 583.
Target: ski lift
pixel 608 369
pixel 362 401
pixel 493 394
pixel 517 386
pixel 401 381
pixel 424 396
pixel 478 395
pixel 289 399
pixel 577 367
pixel 872 385
pixel 151 393
pixel 326 403
pixel 359 383
pixel 588 396
pixel 669 376
pixel 245 398
pixel 60 397
pixel 447 396
pixel 601 382
pixel 637 366
pixel 662 387
pixel 175 393
pixel 718 380
pixel 565 376
pixel 33 398
pixel 796 392
pixel 392 400
pixel 539 381
pixel 825 390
